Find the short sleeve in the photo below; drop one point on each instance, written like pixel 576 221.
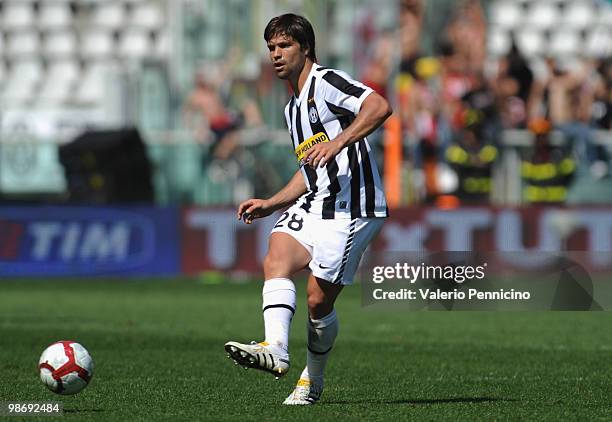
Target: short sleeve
pixel 342 91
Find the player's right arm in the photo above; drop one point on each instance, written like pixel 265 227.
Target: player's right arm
pixel 258 208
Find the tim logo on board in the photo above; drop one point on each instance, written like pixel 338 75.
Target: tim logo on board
pixel 54 241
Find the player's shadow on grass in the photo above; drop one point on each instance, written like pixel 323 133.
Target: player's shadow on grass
pixel 424 401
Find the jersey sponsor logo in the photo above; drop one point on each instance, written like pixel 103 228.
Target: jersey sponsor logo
pixel 313 115
pixel 301 149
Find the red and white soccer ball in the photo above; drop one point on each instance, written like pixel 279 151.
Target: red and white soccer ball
pixel 65 367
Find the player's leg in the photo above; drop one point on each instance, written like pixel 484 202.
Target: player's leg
pixel 322 331
pixel 288 252
pixel 335 258
pixel 285 257
pixel 322 326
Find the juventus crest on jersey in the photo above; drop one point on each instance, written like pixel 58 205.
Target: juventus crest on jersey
pixel 349 186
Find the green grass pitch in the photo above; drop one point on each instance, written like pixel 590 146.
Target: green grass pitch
pixel 158 349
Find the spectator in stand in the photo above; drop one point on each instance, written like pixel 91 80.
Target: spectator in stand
pixel 414 94
pixel 378 65
pixel 420 108
pixel 482 99
pixel 410 23
pixel 431 88
pixel 602 107
pixel 376 75
pixel 472 156
pixel 546 170
pixel 205 113
pixel 512 86
pixel 410 26
pixel 467 34
pixel 455 79
pixel 565 97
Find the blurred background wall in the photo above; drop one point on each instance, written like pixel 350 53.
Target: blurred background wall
pixel 174 104
pixel 193 77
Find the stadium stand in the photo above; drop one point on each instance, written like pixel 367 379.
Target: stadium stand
pixel 54 15
pixel 47 37
pixel 564 27
pixel 111 62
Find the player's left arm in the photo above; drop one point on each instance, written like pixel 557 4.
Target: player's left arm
pixel 372 114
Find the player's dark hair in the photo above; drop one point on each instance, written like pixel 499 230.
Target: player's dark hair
pixel 296 27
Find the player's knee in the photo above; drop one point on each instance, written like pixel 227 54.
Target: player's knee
pixel 318 304
pixel 274 265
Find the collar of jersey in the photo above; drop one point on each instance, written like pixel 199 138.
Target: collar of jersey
pixel 306 86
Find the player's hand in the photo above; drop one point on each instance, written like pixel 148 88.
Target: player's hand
pixel 254 208
pixel 320 154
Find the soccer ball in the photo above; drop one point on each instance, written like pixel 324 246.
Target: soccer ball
pixel 65 367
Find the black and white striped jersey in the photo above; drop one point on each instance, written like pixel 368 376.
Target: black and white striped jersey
pixel 349 186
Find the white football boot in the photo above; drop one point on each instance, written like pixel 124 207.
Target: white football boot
pixel 304 393
pixel 261 356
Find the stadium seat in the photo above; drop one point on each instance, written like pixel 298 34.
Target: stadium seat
pixel 61 34
pixel 543 15
pixel 21 81
pixel 90 89
pixel 54 91
pixel 53 15
pixel 23 44
pixel 498 42
pixel 64 70
pixel 578 15
pixel 97 44
pixel 134 43
pixel 109 15
pixel 598 42
pixel 210 190
pixel 16 95
pixel 530 42
pixel 162 44
pixel 17 14
pixel 183 169
pixel 506 14
pixel 157 154
pixel 605 16
pixel 89 93
pixel 27 69
pixel 3 72
pixel 60 44
pixel 147 15
pixel 18 89
pixel 564 43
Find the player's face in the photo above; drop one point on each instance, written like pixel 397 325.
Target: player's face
pixel 286 55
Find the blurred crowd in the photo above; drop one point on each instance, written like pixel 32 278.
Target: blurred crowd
pixel 453 104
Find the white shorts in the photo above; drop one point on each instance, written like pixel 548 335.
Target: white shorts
pixel 336 246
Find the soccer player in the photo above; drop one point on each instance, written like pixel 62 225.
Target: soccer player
pixel 336 204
